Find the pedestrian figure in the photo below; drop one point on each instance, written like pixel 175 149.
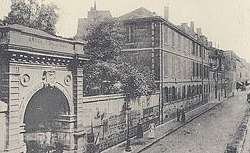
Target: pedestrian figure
pixel 178 114
pixel 151 134
pixel 139 130
pixel 59 147
pixel 183 115
pixel 139 133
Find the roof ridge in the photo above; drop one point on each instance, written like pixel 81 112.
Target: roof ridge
pixel 138 13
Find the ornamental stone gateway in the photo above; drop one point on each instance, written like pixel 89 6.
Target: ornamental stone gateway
pixel 40 88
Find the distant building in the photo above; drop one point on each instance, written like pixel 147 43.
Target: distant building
pixel 217 73
pixel 231 60
pixel 242 71
pixel 94 17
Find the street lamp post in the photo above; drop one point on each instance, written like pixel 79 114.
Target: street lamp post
pixel 128 147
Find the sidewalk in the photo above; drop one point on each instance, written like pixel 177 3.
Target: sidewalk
pixel 242 145
pixel 245 148
pixel 246 140
pixel 162 131
pixel 246 145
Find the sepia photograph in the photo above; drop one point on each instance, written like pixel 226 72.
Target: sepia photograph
pixel 124 76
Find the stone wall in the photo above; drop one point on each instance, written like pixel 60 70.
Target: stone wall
pixel 106 115
pixel 169 110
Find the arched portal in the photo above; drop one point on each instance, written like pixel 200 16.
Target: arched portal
pixel 44 118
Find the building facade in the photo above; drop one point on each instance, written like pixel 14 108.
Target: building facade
pixel 230 71
pixel 242 71
pixel 237 71
pixel 177 55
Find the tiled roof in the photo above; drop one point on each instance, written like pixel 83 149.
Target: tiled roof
pixel 138 13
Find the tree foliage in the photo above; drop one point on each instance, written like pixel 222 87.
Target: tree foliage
pixel 101 78
pixel 136 81
pixel 104 41
pixel 108 70
pixel 33 14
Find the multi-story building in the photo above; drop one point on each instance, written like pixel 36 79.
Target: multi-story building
pixel 177 55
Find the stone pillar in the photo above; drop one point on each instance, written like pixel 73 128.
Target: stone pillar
pixel 72 139
pixel 3 129
pixel 15 143
pixel 71 130
pixel 77 72
pixel 22 143
pixel 77 91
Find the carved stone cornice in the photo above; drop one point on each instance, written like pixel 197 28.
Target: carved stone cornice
pixel 24 58
pixel 27 55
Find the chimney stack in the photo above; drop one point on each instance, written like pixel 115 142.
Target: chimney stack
pixel 166 12
pixel 95 5
pixel 210 43
pixel 184 26
pixel 198 30
pixel 192 25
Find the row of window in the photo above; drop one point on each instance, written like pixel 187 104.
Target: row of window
pixel 143 33
pixel 200 71
pixel 199 50
pixel 176 93
pixel 176 67
pixel 146 33
pixel 181 68
pixel 176 40
pixel 180 42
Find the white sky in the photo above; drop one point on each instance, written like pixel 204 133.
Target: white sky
pixel 226 22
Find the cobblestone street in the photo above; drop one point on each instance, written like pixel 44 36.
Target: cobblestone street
pixel 207 134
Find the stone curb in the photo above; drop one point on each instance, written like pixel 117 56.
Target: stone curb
pixel 176 128
pixel 237 144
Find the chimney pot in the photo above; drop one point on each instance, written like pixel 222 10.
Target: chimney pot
pixel 198 30
pixel 184 26
pixel 192 25
pixel 166 12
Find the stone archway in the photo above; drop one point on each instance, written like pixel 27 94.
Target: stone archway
pixel 47 121
pixel 34 89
